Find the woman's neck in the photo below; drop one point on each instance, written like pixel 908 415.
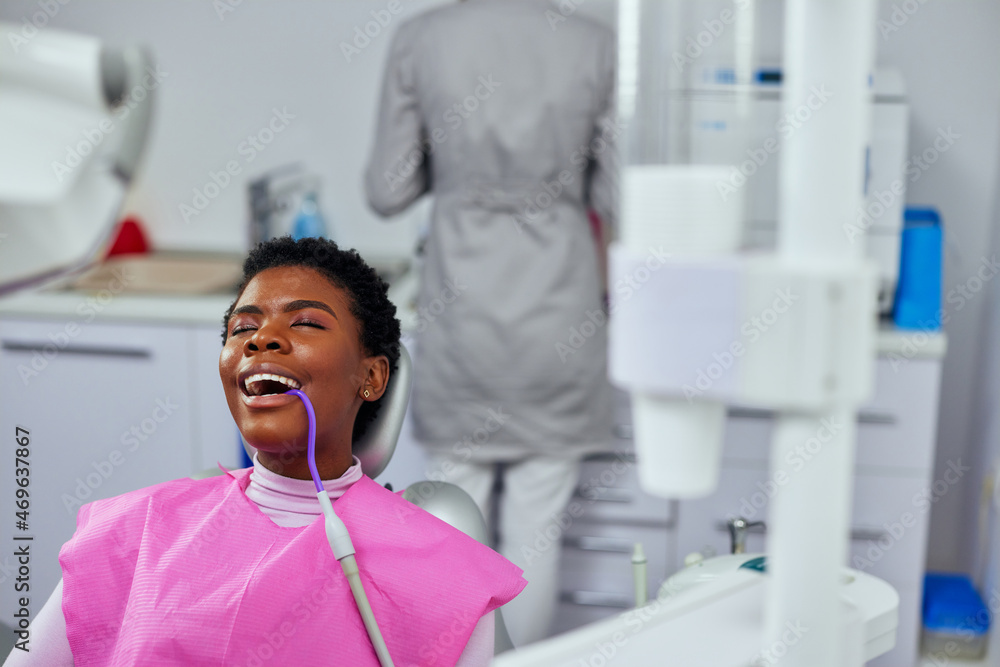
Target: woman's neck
pixel 297 466
pixel 291 502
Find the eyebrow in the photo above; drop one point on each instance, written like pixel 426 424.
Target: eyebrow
pixel 299 304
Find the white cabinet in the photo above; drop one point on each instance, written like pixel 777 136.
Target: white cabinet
pixel 110 408
pixel 215 431
pixel 595 574
pixel 891 511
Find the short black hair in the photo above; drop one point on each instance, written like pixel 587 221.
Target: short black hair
pixel 367 292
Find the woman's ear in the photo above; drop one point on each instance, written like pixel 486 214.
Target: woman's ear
pixel 376 379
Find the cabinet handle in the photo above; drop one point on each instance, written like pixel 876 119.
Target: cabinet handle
pixel 607 494
pixel 864 416
pixel 602 544
pixel 87 350
pixel 860 534
pixel 865 534
pixel 750 413
pixel 610 457
pixel 595 599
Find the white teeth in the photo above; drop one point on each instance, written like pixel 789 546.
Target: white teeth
pixel 253 388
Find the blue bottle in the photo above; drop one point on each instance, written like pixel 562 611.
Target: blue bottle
pixel 918 292
pixel 309 222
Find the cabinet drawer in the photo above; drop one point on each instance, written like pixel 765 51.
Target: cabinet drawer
pixel 888 525
pixel 906 445
pixel 890 519
pixel 609 491
pixel 595 571
pixel 897 426
pixel 883 440
pixel 906 388
pixel 599 558
pixel 895 429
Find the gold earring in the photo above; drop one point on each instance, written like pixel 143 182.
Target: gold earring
pixel 366 394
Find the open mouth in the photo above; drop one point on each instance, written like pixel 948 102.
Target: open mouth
pixel 267 384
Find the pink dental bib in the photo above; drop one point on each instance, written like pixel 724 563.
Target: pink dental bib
pixel 193 573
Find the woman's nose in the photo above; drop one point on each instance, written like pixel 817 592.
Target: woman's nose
pixel 265 338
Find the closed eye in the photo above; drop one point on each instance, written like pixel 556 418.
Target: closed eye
pixel 238 330
pixel 308 323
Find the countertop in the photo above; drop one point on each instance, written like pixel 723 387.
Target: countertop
pixel 206 310
pixel 106 300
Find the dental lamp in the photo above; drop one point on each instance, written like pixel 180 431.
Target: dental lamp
pixel 679 343
pixel 74 119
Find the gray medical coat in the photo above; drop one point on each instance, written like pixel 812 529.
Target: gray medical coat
pixel 504 110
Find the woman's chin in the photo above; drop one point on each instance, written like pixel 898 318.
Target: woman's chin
pixel 275 441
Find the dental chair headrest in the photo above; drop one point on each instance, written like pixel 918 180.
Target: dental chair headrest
pixel 375 448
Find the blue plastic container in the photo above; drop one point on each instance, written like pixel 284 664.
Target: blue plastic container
pixel 918 292
pixel 956 621
pixel 309 222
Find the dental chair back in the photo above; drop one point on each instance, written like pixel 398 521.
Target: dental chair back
pixel 375 448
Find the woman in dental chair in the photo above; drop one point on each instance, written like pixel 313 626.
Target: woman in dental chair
pixel 236 569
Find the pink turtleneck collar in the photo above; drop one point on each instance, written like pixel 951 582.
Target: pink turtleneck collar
pixel 292 503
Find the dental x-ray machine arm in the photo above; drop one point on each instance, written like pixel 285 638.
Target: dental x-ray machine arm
pixel 74 119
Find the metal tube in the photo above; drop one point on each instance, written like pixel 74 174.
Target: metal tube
pixel 826 97
pixel 829 53
pixel 808 534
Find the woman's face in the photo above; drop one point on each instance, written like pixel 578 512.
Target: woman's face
pixel 292 323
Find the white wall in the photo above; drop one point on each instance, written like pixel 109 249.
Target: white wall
pixel 224 76
pixel 984 546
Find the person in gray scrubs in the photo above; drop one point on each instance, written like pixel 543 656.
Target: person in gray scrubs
pixel 504 110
